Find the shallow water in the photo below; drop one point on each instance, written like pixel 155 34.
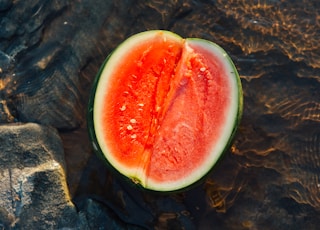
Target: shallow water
pixel 270 177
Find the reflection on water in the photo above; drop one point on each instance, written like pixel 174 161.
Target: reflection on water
pixel 288 26
pixel 270 177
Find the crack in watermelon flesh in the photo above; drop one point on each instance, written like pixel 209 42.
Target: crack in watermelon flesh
pixel 165 109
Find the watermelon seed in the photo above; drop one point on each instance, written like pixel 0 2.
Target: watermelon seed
pixel 129 127
pixel 133 136
pixel 123 108
pixel 202 69
pixel 133 121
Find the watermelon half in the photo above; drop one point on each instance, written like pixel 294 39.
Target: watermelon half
pixel 164 109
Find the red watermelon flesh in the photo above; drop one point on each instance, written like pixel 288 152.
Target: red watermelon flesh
pixel 165 105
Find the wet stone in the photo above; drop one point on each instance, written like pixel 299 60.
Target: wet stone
pixel 33 189
pixel 5 4
pixel 5 62
pixel 99 216
pixel 8 28
pixel 46 41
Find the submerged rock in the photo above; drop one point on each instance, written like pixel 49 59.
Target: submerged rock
pixel 33 188
pixel 98 216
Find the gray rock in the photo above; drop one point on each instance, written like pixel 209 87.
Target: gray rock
pixel 8 28
pixel 5 62
pixel 5 4
pixel 98 216
pixel 33 188
pixel 49 41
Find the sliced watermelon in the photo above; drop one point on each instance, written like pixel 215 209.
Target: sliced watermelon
pixel 164 109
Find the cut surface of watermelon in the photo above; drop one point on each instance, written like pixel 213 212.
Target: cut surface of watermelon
pixel 165 108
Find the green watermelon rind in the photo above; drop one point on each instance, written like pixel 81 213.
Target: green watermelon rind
pixel 123 175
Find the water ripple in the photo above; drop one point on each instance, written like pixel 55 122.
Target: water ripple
pixel 266 25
